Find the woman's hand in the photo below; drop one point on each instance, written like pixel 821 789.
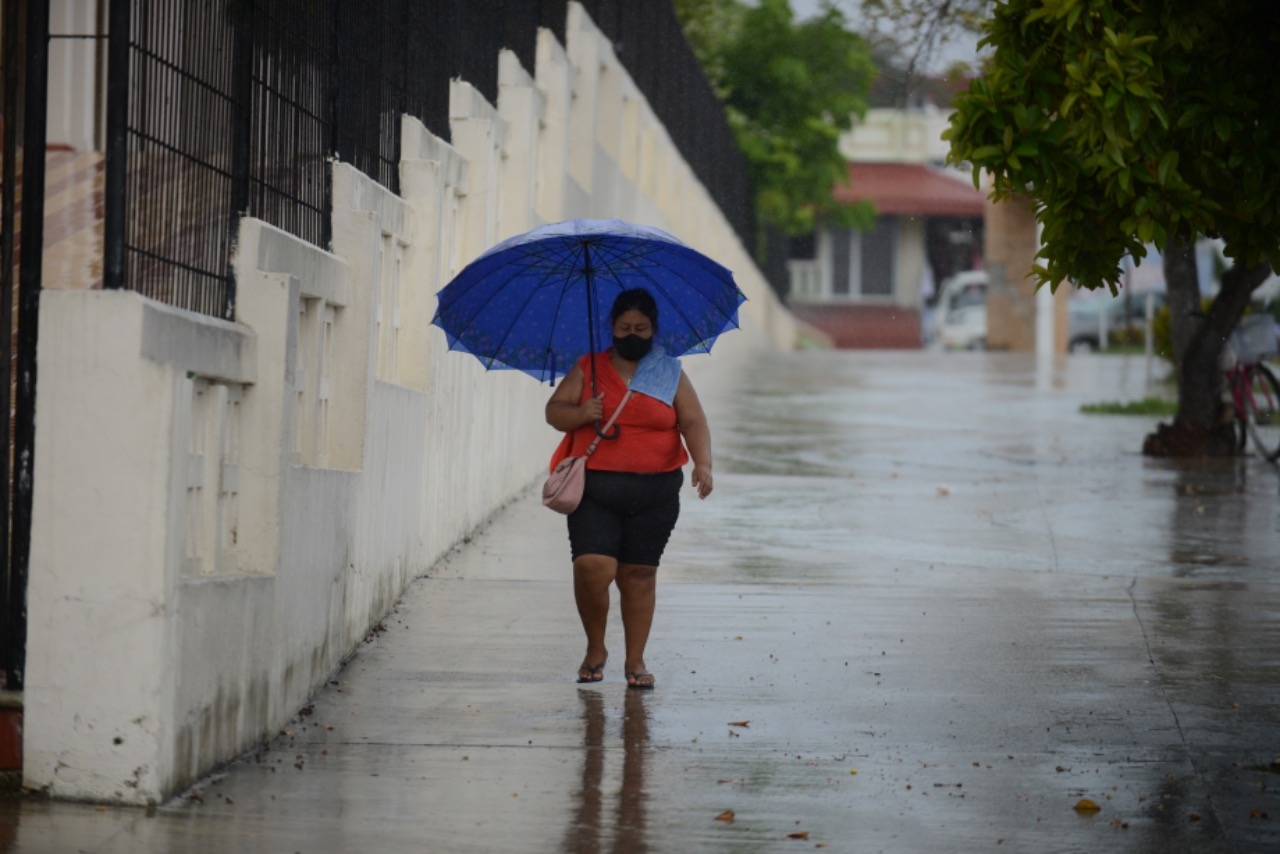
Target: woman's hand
pixel 697 436
pixel 701 479
pixel 563 411
pixel 593 409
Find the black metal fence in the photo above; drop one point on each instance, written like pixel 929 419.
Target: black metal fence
pixel 13 612
pixel 228 107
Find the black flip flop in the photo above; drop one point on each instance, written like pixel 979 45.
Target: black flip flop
pixel 594 674
pixel 637 675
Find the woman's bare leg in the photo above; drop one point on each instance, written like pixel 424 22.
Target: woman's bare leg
pixel 592 575
pixel 637 586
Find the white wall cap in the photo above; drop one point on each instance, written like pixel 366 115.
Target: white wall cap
pixel 362 193
pixel 466 102
pixel 320 274
pixel 195 343
pixel 511 72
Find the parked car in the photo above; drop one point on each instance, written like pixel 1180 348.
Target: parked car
pixel 1125 317
pixel 961 319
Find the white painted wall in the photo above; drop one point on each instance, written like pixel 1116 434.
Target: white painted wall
pixel 223 510
pixel 893 135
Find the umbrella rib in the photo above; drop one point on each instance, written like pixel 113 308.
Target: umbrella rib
pixel 528 298
pixel 566 277
pixel 506 264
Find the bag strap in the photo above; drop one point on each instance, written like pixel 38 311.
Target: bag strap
pixel 605 429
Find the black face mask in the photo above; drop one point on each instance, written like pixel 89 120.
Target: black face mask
pixel 633 348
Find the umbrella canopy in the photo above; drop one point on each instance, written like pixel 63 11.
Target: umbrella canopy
pixel 538 301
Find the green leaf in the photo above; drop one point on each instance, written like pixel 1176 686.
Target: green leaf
pixel 1168 163
pixel 1155 107
pixel 1136 117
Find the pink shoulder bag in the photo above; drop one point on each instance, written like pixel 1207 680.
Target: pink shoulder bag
pixel 563 490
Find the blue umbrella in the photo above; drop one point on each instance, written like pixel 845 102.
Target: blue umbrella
pixel 538 301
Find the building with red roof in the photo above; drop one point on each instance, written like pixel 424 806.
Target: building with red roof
pixel 872 288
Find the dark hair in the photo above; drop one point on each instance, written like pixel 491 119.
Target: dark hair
pixel 639 299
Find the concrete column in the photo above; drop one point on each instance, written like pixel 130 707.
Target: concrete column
pixel 522 107
pixel 556 80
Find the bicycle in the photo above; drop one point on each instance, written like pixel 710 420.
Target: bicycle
pixel 1255 393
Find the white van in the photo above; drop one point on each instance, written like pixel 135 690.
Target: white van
pixel 961 319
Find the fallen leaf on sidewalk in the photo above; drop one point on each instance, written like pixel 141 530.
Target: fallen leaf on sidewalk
pixel 726 817
pixel 1084 806
pixel 742 724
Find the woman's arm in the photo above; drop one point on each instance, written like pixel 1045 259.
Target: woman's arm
pixel 697 435
pixel 563 410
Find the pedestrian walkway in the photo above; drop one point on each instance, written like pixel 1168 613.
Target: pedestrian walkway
pixel 930 607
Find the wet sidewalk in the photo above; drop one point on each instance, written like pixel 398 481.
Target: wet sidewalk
pixel 930 607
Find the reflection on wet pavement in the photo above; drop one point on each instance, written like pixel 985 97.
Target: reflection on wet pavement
pixel 591 830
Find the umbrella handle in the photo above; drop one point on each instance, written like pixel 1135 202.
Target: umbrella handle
pixel 604 435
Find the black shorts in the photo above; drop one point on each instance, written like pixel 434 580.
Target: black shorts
pixel 626 516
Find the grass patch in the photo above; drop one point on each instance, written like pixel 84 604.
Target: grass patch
pixel 1146 406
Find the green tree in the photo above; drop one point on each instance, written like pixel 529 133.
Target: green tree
pixel 789 90
pixel 1131 123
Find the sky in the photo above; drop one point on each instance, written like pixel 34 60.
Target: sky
pixel 964 48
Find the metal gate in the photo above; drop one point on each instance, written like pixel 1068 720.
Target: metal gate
pixel 24 45
pixel 24 105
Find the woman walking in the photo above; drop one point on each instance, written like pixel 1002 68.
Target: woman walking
pixel 632 496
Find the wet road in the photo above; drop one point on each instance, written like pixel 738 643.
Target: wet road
pixel 930 607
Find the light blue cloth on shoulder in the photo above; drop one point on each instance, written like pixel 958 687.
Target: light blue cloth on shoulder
pixel 658 376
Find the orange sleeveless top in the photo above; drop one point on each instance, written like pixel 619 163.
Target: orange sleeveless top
pixel 649 441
